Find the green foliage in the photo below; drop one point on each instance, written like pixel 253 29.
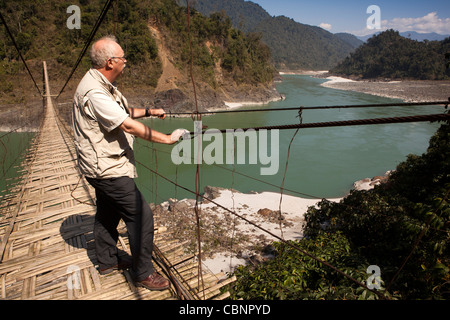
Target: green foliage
pixel 293 275
pixel 244 57
pixel 389 55
pixel 39 28
pixel 385 223
pixel 247 58
pixel 243 14
pixel 404 223
pixel 296 45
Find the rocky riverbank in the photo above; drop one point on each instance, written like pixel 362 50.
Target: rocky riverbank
pixel 370 183
pixel 181 100
pixel 26 117
pixel 227 240
pixel 408 91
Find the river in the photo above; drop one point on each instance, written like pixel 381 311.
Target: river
pixel 13 147
pixel 323 162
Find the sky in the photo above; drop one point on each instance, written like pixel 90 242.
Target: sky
pixel 423 16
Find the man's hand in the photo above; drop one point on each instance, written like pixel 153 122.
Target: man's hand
pixel 177 134
pixel 137 113
pixel 160 113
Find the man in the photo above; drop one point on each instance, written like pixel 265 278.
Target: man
pixel 104 129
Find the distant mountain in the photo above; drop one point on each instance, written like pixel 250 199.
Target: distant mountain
pixel 423 36
pixel 293 45
pixel 413 35
pixel 350 39
pixel 389 55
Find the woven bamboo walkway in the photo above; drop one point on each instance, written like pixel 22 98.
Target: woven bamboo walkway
pixel 46 232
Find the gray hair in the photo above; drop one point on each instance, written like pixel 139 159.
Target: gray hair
pixel 100 55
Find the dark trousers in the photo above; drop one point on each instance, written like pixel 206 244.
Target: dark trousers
pixel 119 198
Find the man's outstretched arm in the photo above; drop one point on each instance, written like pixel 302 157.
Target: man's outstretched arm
pixel 140 130
pixel 137 113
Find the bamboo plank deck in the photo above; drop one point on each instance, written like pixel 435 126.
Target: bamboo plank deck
pixel 46 233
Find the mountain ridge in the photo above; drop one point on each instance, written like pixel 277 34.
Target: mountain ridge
pixel 413 35
pixel 294 45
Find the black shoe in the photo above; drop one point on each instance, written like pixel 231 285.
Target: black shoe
pixel 124 263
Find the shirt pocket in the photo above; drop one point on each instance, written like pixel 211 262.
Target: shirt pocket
pixel 87 157
pixel 87 109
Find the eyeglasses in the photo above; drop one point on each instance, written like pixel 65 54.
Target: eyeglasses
pixel 121 58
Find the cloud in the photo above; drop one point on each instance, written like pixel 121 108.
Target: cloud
pixel 429 23
pixel 426 24
pixel 325 26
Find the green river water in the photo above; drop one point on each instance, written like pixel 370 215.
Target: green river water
pixel 323 162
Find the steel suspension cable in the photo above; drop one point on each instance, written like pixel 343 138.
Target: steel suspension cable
pixel 88 42
pixel 360 122
pixel 383 105
pixel 18 51
pixel 197 172
pixel 419 118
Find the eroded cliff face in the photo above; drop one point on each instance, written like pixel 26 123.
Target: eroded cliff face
pixel 175 89
pixel 208 99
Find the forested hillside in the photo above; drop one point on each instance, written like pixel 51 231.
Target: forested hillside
pixel 389 55
pixel 243 14
pixel 224 57
pixel 294 45
pixel 299 46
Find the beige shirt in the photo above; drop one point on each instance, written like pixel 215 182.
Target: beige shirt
pixel 104 150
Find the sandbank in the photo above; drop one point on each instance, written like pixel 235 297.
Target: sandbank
pixel 239 104
pixel 247 205
pixel 406 90
pixel 304 72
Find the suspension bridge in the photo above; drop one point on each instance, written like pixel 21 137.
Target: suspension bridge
pixel 46 233
pixel 46 222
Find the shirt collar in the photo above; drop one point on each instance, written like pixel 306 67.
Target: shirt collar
pixel 111 87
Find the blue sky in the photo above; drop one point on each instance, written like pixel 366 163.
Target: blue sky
pixel 351 15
